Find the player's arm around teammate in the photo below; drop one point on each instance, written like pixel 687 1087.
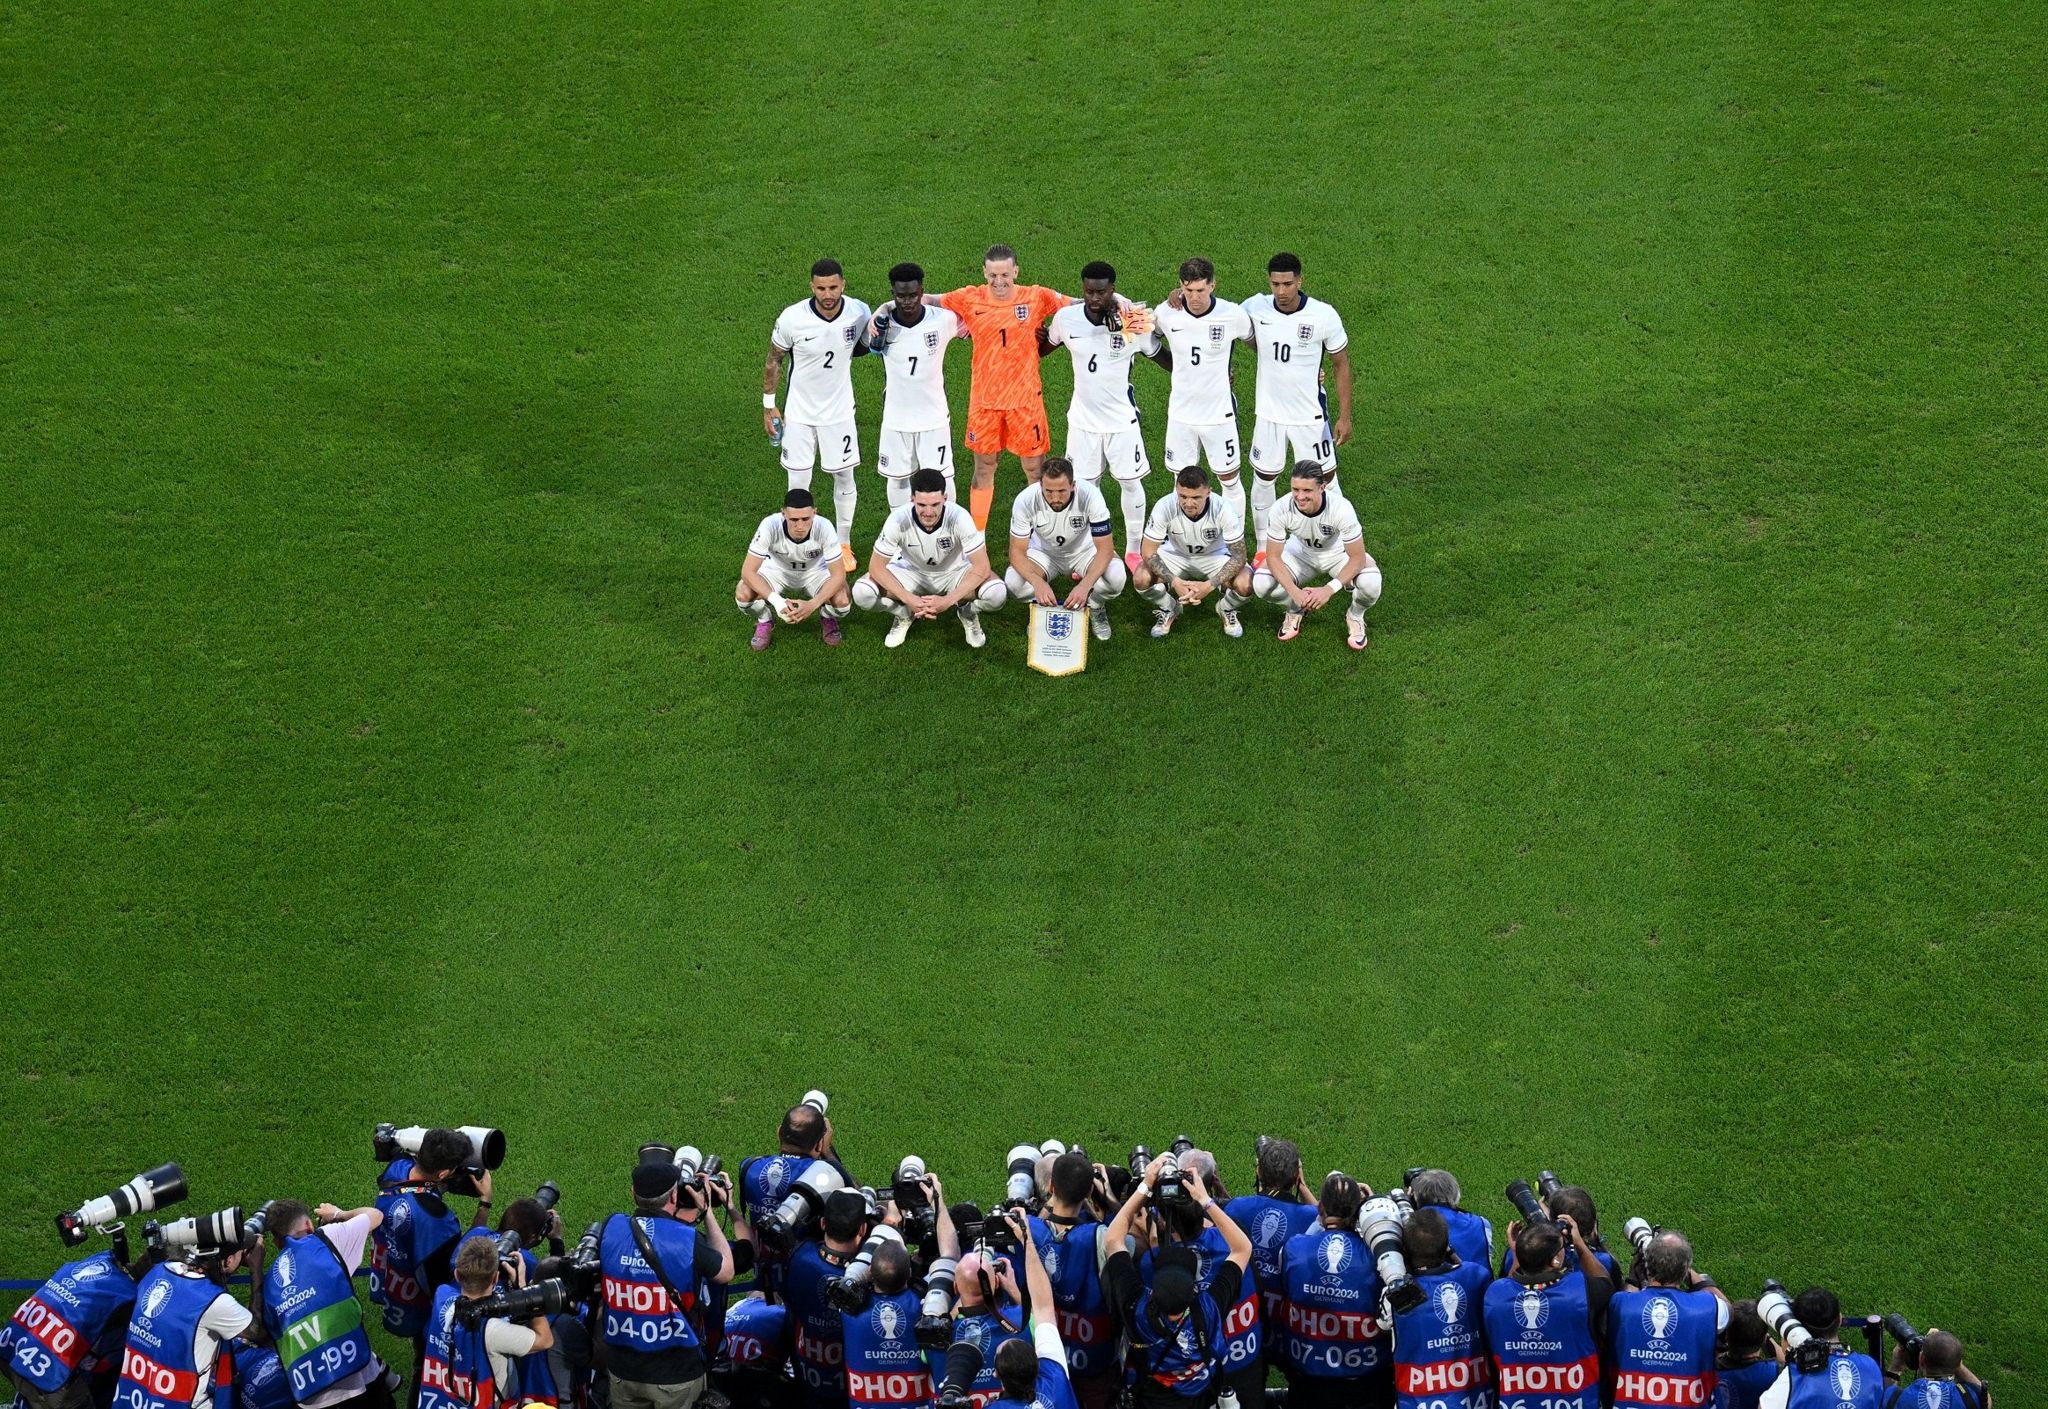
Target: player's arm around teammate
pixel 819 337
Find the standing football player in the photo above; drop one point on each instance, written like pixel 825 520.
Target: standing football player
pixel 820 336
pixel 1292 333
pixel 793 570
pixel 1201 330
pixel 1102 419
pixel 930 558
pixel 1194 545
pixel 1005 398
pixel 1061 529
pixel 917 425
pixel 1313 535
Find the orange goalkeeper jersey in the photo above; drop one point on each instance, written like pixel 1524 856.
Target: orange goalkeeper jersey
pixel 1004 372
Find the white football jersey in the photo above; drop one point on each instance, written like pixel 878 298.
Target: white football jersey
pixel 772 543
pixel 1325 531
pixel 914 397
pixel 1103 401
pixel 1060 533
pixel 1201 361
pixel 1209 536
pixel 933 550
pixel 1291 348
pixel 821 360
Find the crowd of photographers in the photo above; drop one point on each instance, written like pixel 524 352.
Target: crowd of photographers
pixel 1141 1284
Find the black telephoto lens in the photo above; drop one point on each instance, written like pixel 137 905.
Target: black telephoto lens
pixel 1909 1339
pixel 1526 1203
pixel 547 1196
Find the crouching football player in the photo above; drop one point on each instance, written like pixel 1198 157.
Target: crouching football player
pixel 1313 536
pixel 930 558
pixel 793 571
pixel 1194 546
pixel 1061 529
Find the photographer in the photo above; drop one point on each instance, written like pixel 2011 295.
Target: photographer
pixel 70 1330
pixel 310 1307
pixel 1571 1201
pixel 1847 1379
pixel 1336 1352
pixel 1175 1329
pixel 1663 1336
pixel 1544 1323
pixel 1748 1362
pixel 652 1262
pixel 805 1135
pixel 752 1365
pixel 253 1377
pixel 1182 1223
pixel 469 1354
pixel 988 1312
pixel 1439 1350
pixel 182 1319
pixel 1280 1208
pixel 1033 1373
pixel 884 1367
pixel 820 1351
pixel 1471 1233
pixel 1945 1382
pixel 412 1252
pixel 1073 1249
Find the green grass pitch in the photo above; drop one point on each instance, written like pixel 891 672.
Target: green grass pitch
pixel 381 439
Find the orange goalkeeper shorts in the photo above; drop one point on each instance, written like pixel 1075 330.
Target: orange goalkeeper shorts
pixel 1021 430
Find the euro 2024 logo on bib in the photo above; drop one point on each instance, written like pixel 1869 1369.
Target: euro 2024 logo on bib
pixel 284 1268
pixel 1936 1394
pixel 89 1271
pixel 401 1215
pixel 1532 1310
pixel 1335 1255
pixel 1658 1314
pixel 1272 1230
pixel 1449 1303
pixel 776 1176
pixel 154 1302
pixel 1848 1379
pixel 887 1320
pixel 1053 1252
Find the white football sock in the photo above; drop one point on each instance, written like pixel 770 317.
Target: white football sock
pixel 899 491
pixel 1366 590
pixel 1262 501
pixel 758 610
pixel 845 494
pixel 799 479
pixel 1233 493
pixel 1134 512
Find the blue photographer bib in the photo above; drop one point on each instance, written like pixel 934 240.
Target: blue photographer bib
pixel 985 1331
pixel 639 1313
pixel 455 1369
pixel 402 1246
pixel 157 1366
pixel 1270 1223
pixel 1439 1348
pixel 1239 1348
pixel 1471 1235
pixel 258 1377
pixel 884 1368
pixel 1332 1328
pixel 66 1323
pixel 1847 1381
pixel 1542 1344
pixel 1087 1326
pixel 310 1306
pixel 756 1334
pixel 1663 1347
pixel 764 1183
pixel 819 1350
pixel 1743 1386
pixel 1177 1356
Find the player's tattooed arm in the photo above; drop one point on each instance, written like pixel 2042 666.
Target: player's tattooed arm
pixel 771 379
pixel 1234 564
pixel 1340 363
pixel 1155 566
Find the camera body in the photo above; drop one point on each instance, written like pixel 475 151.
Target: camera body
pixel 915 1215
pixel 1172 1189
pixel 1805 1351
pixel 804 1201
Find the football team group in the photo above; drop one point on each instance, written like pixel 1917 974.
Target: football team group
pixel 1186 548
